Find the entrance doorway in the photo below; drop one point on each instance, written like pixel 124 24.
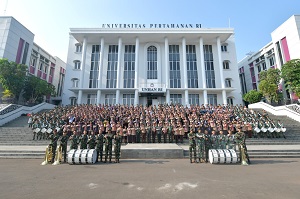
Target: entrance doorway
pixel 152 100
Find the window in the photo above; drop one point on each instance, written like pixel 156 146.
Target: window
pixel 228 83
pixel 151 62
pixel 110 99
pixel 129 66
pixel 212 99
pixel 226 64
pixel 191 62
pixel 33 61
pixel 128 99
pixel 174 63
pixel 41 66
pixel 264 66
pixel 73 101
pixel 77 65
pixel 193 99
pixel 94 72
pixel 224 48
pixel 78 48
pixel 271 61
pixel 209 67
pixel 92 99
pixel 75 83
pixel 24 59
pixel 176 98
pixel 46 68
pixel 112 65
pixel 258 68
pixel 230 100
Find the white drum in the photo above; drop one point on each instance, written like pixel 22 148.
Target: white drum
pixel 271 130
pixel 49 130
pixel 71 154
pixel 37 130
pixel 221 156
pixel 85 156
pixel 264 129
pixel 256 129
pixel 44 130
pixel 278 130
pixel 283 130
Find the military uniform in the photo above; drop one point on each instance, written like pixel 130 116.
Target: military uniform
pixel 74 141
pixel 53 142
pixel 170 133
pixel 222 141
pixel 99 146
pixel 92 141
pixel 192 145
pixel 83 139
pixel 207 144
pixel 230 141
pixel 159 132
pixel 200 146
pixel 64 145
pixel 240 138
pixel 214 141
pixel 108 146
pixel 117 147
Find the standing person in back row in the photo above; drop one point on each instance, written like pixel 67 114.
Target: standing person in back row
pixel 64 144
pixel 192 143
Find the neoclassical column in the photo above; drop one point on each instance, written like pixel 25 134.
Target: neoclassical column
pixel 100 70
pixel 119 70
pixel 202 66
pixel 83 58
pixel 167 70
pixel 136 72
pixel 185 81
pixel 221 71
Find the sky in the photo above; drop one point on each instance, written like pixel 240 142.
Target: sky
pixel 50 20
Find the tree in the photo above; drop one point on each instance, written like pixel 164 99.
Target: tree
pixel 268 84
pixel 35 89
pixel 13 77
pixel 253 96
pixel 291 74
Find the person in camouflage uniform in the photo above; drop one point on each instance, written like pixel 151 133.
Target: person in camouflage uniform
pixel 222 140
pixel 64 144
pixel 200 138
pixel 138 133
pixel 117 147
pixel 192 144
pixel 53 142
pixel 207 143
pixel 99 146
pixel 83 139
pixel 170 133
pixel 108 146
pixel 214 140
pixel 74 141
pixel 92 140
pixel 240 139
pixel 230 140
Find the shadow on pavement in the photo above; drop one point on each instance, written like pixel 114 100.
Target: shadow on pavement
pixel 256 161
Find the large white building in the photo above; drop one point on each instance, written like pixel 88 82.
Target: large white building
pixel 285 46
pixel 151 64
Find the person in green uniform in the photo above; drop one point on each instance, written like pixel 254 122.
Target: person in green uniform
pixel 240 139
pixel 64 144
pixel 53 142
pixel 222 140
pixel 108 145
pixel 99 145
pixel 92 140
pixel 83 139
pixel 192 144
pixel 117 146
pixel 200 138
pixel 74 140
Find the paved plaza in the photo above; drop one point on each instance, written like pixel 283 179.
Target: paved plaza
pixel 150 178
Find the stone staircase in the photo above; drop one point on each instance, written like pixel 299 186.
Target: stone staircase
pixel 16 142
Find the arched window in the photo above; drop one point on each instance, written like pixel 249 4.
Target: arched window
pixel 228 82
pixel 152 62
pixel 75 82
pixel 77 64
pixel 78 47
pixel 226 64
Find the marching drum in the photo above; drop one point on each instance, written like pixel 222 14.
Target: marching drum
pixel 264 129
pixel 44 130
pixel 37 130
pixel 283 130
pixel 271 130
pixel 256 129
pixel 222 156
pixel 49 130
pixel 85 156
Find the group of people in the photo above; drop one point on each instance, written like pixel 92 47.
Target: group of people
pixel 164 123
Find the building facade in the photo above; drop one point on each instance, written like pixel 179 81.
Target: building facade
pixel 17 45
pixel 285 46
pixel 151 65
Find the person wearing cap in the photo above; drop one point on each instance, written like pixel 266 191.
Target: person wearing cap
pixel 74 140
pixel 99 145
pixel 64 144
pixel 117 146
pixel 192 144
pixel 240 139
pixel 83 139
pixel 108 145
pixel 221 140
